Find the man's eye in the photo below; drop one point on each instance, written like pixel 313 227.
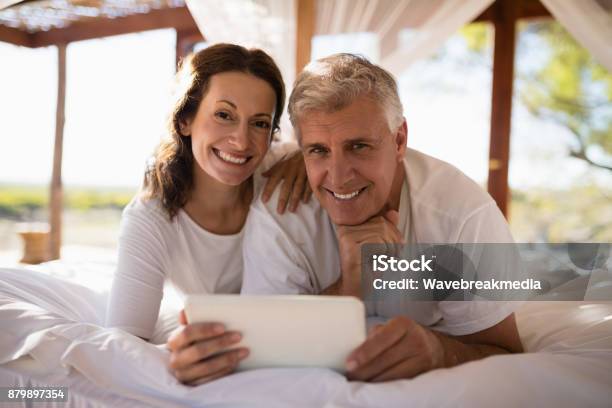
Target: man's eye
pixel 223 115
pixel 316 150
pixel 359 146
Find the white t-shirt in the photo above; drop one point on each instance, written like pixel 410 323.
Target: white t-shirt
pixel 297 253
pixel 154 249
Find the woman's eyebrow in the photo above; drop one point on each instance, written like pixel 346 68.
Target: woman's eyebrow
pixel 232 104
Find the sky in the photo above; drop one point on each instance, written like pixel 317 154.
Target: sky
pixel 116 102
pixel 117 99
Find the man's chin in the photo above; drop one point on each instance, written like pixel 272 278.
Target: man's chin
pixel 345 213
pixel 347 219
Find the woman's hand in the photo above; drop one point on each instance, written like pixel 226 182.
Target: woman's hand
pixel 199 352
pixel 292 172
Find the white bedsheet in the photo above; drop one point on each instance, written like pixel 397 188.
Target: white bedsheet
pixel 50 334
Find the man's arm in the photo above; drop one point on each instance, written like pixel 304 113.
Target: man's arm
pixel 499 339
pixel 403 348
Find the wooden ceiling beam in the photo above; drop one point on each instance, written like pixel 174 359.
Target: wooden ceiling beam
pixel 185 42
pixel 533 9
pixel 178 18
pixel 529 9
pixel 15 36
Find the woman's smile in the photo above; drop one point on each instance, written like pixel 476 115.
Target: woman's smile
pixel 231 158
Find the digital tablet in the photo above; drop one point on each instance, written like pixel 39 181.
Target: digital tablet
pixel 286 331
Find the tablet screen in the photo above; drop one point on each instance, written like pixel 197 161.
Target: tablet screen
pixel 286 331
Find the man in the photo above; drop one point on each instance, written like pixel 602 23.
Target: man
pixel 370 188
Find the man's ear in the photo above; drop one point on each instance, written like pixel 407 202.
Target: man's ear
pixel 185 127
pixel 401 138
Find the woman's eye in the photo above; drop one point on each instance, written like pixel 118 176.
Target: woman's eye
pixel 223 115
pixel 262 124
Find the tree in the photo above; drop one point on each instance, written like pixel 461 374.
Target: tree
pixel 557 80
pixel 567 87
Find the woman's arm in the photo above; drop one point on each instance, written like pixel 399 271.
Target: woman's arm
pixel 139 279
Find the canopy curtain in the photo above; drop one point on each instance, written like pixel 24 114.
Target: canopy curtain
pixel 430 24
pixel 266 24
pixel 270 25
pixel 589 22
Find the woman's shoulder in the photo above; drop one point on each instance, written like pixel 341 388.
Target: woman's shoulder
pixel 142 207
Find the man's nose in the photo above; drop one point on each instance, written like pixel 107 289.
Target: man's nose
pixel 240 136
pixel 339 169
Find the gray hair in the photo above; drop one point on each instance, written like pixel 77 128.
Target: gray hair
pixel 333 83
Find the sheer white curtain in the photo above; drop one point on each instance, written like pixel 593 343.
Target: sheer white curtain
pixel 270 25
pixel 266 24
pixel 429 22
pixel 590 22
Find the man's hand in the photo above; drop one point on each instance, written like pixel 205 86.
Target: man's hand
pixel 398 349
pixel 197 352
pixel 377 230
pixel 402 348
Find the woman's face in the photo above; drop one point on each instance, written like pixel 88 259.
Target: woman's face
pixel 232 128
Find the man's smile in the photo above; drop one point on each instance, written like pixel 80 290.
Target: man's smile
pixel 345 196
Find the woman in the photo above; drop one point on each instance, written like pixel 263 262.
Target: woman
pixel 186 227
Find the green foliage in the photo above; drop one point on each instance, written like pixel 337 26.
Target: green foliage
pixel 572 90
pixel 557 80
pixel 476 36
pixel 18 202
pixel 90 198
pixel 578 214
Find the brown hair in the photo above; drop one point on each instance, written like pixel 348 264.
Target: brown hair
pixel 170 176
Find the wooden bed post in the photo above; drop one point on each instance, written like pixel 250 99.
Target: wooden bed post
pixel 505 15
pixel 56 198
pixel 305 27
pixel 185 43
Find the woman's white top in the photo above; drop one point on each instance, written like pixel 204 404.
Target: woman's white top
pixel 154 249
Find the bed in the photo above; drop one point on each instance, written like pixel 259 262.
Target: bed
pixel 51 334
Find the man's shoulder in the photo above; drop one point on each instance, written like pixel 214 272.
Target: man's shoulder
pixel 308 221
pixel 439 187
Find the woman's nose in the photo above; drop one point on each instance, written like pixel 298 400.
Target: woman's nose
pixel 240 137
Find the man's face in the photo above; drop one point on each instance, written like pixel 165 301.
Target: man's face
pixel 352 160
